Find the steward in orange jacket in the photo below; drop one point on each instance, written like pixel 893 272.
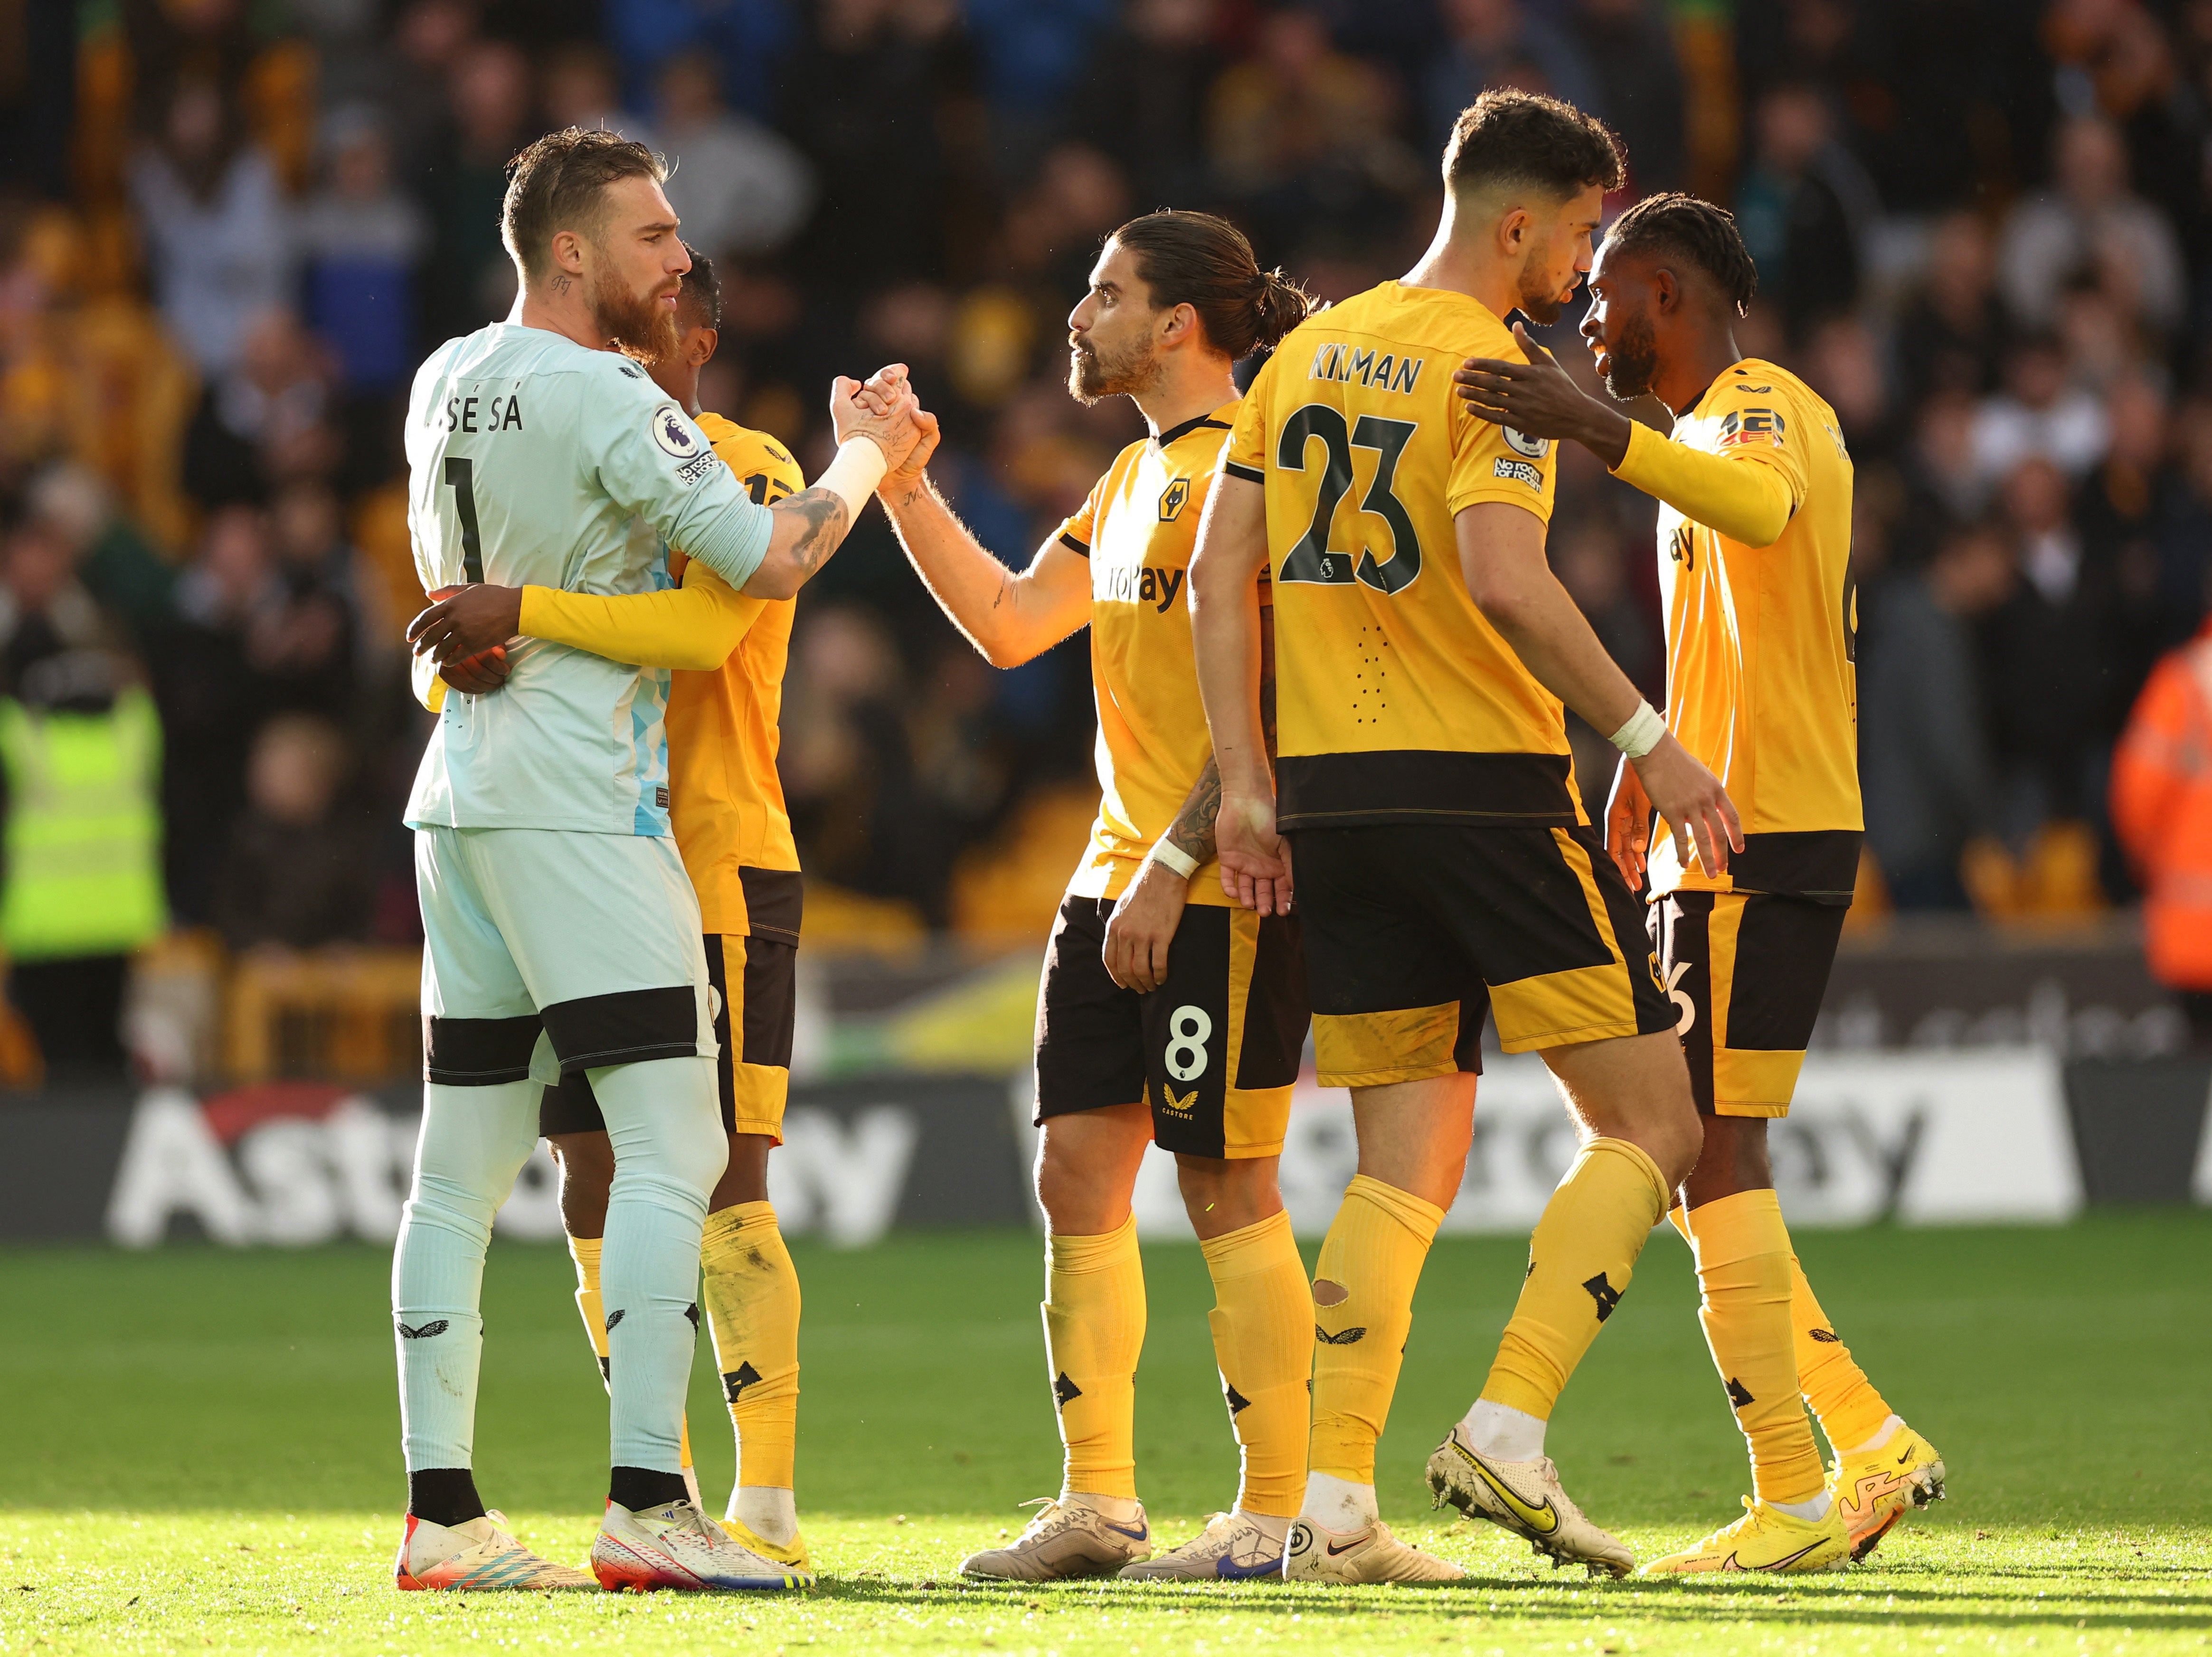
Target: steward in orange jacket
pixel 2162 811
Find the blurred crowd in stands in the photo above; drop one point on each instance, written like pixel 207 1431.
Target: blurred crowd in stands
pixel 230 228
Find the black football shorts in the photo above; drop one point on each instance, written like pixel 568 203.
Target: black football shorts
pixel 1214 1051
pixel 1413 930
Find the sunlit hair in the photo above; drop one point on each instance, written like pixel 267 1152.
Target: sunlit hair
pixel 1206 262
pixel 1695 231
pixel 557 184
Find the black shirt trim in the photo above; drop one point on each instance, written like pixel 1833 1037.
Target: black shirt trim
pixel 1249 474
pixel 1821 865
pixel 1418 785
pixel 1190 426
pixel 774 900
pixel 1081 549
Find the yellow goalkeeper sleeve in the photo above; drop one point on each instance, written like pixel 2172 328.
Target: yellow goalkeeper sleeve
pixel 1738 496
pixel 695 626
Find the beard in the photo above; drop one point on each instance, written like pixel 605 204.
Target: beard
pixel 639 325
pixel 1635 359
pixel 1540 304
pixel 1093 374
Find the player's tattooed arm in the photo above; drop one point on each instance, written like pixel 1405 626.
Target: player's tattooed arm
pixel 1192 831
pixel 817 529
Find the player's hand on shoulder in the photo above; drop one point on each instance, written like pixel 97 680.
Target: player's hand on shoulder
pixel 1255 860
pixel 1143 925
pixel 1693 802
pixel 465 620
pixel 1537 399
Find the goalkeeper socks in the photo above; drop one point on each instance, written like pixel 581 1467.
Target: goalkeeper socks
pixel 669 1151
pixel 474 1142
pixel 1580 1257
pixel 1094 1329
pixel 1362 1306
pixel 1851 1412
pixel 752 1310
pixel 1743 1257
pixel 585 1250
pixel 1263 1344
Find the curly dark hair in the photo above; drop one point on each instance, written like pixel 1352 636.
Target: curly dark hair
pixel 554 185
pixel 1205 262
pixel 700 300
pixel 1694 231
pixel 1508 136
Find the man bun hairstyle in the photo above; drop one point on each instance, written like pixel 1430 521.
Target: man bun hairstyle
pixel 699 301
pixel 1206 262
pixel 1678 227
pixel 1525 140
pixel 554 185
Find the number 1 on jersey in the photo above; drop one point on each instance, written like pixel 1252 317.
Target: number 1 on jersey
pixel 461 474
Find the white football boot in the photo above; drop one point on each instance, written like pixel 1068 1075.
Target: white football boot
pixel 1525 1497
pixel 477 1555
pixel 676 1546
pixel 1317 1554
pixel 1066 1540
pixel 1231 1548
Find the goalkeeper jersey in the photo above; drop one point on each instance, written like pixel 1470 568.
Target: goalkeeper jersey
pixel 534 460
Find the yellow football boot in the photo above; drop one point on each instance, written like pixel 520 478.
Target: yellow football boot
pixel 792 1554
pixel 1764 1539
pixel 1874 1488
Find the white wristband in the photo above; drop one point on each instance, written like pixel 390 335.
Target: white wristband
pixel 1172 857
pixel 854 474
pixel 1641 734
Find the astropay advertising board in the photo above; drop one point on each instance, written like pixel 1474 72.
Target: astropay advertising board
pixel 1997 1135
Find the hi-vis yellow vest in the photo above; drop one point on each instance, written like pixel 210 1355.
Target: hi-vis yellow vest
pixel 84 829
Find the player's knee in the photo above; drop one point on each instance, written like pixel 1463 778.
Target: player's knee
pixel 586 1162
pixel 744 1178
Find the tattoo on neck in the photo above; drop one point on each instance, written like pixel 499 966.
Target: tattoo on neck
pixel 562 283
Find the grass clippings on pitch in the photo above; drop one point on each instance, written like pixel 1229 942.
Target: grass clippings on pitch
pixel 201 1454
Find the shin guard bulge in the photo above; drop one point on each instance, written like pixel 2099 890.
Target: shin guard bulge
pixel 1262 1324
pixel 1094 1330
pixel 1742 1249
pixel 1362 1306
pixel 753 1311
pixel 474 1143
pixel 1580 1258
pixel 669 1151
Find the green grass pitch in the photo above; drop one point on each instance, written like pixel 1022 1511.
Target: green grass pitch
pixel 200 1453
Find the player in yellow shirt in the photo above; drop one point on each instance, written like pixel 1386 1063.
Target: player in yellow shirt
pixel 726 808
pixel 1754 488
pixel 1166 1014
pixel 1424 803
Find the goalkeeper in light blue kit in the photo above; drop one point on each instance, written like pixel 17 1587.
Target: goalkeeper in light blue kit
pixel 561 932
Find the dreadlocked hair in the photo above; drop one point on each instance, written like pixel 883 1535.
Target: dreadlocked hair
pixel 1695 231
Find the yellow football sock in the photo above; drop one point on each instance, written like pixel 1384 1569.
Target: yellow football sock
pixel 1094 1329
pixel 1263 1342
pixel 585 1250
pixel 1363 1302
pixel 1743 1280
pixel 752 1308
pixel 1851 1412
pixel 1580 1258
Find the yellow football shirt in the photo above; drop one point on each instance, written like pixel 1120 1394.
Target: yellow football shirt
pixel 1138 528
pixel 1761 684
pixel 727 804
pixel 1396 700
